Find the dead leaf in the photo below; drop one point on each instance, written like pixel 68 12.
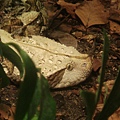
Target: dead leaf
pixel 65 28
pixel 28 17
pixel 114 27
pixel 6 112
pixel 78 34
pixel 79 27
pixel 64 38
pixel 96 64
pixel 70 7
pixel 115 15
pixel 92 13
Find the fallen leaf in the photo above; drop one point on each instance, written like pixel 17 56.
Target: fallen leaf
pixel 78 34
pixel 28 17
pixel 115 15
pixel 114 27
pixel 64 38
pixel 96 64
pixel 92 13
pixel 79 27
pixel 5 112
pixel 65 28
pixel 70 7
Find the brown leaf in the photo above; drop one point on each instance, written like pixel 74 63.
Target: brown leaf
pixel 5 112
pixel 70 8
pixel 65 28
pixel 92 13
pixel 78 34
pixel 115 15
pixel 96 64
pixel 64 38
pixel 79 27
pixel 114 27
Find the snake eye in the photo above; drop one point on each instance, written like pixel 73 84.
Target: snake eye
pixel 69 66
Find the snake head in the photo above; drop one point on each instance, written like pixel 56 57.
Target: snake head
pixel 75 72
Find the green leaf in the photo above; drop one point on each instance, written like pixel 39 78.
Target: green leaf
pixel 12 56
pixel 44 100
pixel 33 110
pixel 89 99
pixel 4 80
pixel 104 61
pixel 34 91
pixel 47 105
pixel 113 101
pixel 27 88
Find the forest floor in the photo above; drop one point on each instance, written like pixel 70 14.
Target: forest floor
pixel 77 23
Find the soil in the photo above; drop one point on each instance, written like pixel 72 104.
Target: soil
pixel 69 103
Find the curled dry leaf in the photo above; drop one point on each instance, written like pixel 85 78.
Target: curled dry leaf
pixel 28 17
pixel 92 13
pixel 70 8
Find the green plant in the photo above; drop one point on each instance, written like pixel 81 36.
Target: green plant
pixel 34 101
pixel 34 91
pixel 112 103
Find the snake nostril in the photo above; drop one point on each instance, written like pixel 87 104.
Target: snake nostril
pixel 84 65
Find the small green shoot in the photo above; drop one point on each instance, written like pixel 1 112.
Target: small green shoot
pixel 112 103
